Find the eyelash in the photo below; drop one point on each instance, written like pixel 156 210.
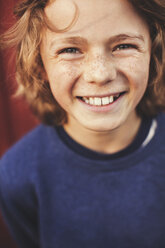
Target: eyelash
pixel 74 50
pixel 69 50
pixel 124 46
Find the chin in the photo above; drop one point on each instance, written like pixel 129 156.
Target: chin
pixel 101 127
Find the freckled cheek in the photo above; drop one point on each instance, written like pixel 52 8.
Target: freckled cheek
pixel 137 72
pixel 141 75
pixel 62 78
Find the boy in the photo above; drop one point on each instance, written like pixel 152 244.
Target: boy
pixel 94 178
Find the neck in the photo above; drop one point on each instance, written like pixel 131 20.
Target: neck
pixel 107 142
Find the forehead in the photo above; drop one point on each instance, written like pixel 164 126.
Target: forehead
pixel 107 15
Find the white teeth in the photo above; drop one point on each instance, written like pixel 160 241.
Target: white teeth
pixel 111 99
pixel 86 100
pixel 97 101
pixel 91 101
pixel 100 101
pixel 105 100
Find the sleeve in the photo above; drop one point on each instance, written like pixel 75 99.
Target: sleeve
pixel 18 202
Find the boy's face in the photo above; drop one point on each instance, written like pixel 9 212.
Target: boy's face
pixel 98 70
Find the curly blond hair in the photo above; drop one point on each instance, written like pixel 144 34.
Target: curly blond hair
pixel 26 36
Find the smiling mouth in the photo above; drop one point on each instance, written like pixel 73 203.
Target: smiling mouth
pixel 101 101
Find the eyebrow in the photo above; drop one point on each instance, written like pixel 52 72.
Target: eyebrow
pixel 122 37
pixel 77 40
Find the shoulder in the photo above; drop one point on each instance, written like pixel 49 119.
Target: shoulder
pixel 157 133
pixel 161 118
pixel 31 143
pixel 34 141
pixel 30 152
pixel 160 124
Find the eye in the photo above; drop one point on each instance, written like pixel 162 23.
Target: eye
pixel 72 50
pixel 124 47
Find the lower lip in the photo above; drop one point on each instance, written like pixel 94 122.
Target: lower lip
pixel 103 108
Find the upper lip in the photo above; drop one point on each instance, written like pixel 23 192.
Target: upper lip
pixel 104 95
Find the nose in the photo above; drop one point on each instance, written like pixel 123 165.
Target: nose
pixel 99 69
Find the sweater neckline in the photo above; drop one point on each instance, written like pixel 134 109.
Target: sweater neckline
pixel 85 152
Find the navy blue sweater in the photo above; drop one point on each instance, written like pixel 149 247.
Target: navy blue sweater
pixel 54 197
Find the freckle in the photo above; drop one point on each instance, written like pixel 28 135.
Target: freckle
pixel 69 70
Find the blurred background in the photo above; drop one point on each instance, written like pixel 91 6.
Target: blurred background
pixel 15 117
